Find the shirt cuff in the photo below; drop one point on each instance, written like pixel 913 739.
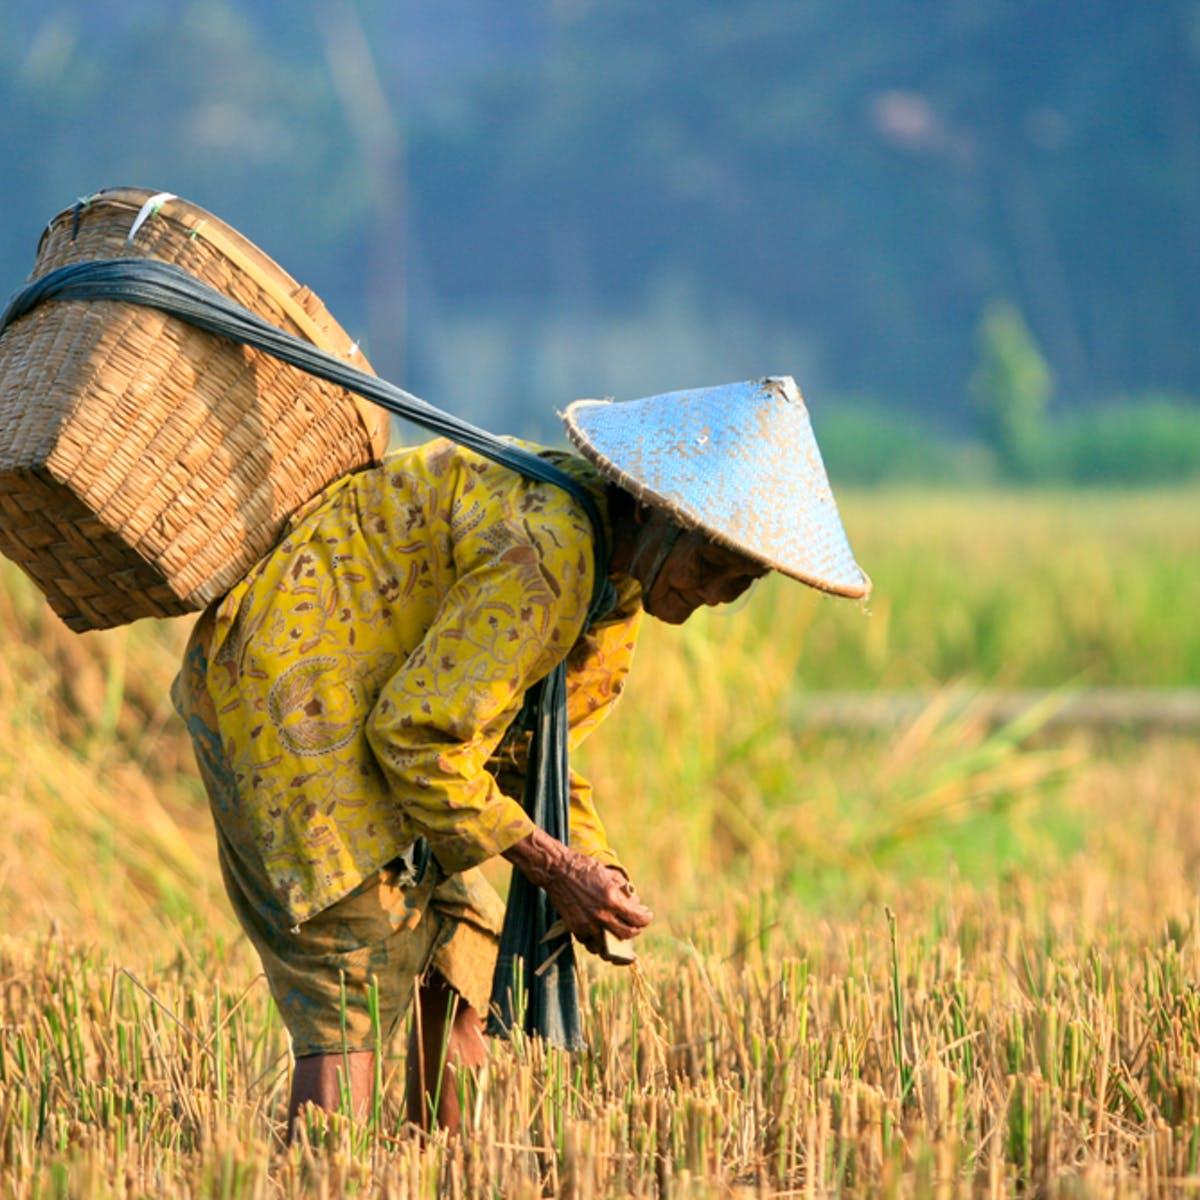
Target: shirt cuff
pixel 503 823
pixel 587 843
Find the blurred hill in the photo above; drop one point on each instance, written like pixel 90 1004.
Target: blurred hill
pixel 520 204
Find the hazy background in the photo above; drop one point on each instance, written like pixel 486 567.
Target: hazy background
pixel 970 229
pixel 925 871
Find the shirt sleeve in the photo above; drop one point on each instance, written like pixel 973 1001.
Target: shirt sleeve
pixel 597 671
pixel 597 668
pixel 524 581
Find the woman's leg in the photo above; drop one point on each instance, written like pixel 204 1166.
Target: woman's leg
pixel 444 1025
pixel 318 1080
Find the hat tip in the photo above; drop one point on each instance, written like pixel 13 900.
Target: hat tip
pixel 783 387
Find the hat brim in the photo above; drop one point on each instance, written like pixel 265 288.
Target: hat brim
pixel 855 585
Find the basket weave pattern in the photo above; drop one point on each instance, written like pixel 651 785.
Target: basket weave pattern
pixel 146 465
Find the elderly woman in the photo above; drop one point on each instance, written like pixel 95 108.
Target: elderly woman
pixel 357 692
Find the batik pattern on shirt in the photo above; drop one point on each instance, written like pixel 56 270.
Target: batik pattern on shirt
pixel 364 673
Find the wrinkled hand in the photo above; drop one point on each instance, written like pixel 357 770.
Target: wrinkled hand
pixel 588 896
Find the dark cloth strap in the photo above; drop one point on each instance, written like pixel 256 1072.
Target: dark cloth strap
pixel 172 290
pixel 549 999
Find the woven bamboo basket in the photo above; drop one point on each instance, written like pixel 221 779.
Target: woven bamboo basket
pixel 146 465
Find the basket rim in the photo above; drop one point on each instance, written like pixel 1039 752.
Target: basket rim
pixel 244 254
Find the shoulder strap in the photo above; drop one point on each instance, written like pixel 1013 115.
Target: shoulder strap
pixel 172 290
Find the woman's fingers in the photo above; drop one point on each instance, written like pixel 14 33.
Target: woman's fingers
pixel 624 903
pixel 632 913
pixel 627 921
pixel 624 931
pixel 620 923
pixel 591 898
pixel 635 912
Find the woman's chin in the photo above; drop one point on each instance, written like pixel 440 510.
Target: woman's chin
pixel 672 609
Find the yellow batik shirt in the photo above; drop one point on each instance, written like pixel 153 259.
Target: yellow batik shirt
pixel 365 672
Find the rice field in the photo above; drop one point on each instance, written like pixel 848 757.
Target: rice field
pixel 958 960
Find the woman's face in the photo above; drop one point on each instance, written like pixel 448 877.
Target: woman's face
pixel 697 571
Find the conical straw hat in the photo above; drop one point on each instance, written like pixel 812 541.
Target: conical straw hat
pixel 739 462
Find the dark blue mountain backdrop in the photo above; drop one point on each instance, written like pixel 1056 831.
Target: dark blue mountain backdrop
pixel 518 204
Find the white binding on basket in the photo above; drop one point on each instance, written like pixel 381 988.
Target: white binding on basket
pixel 147 210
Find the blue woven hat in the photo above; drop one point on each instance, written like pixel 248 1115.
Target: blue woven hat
pixel 738 462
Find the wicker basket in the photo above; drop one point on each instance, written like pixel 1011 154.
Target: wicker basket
pixel 145 465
